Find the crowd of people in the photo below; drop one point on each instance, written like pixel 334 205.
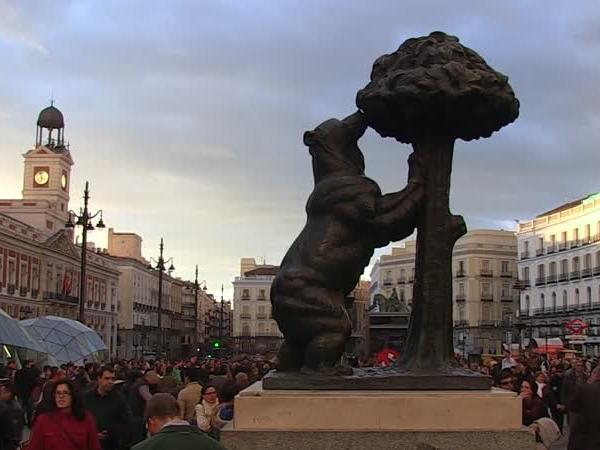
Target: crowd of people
pixel 557 394
pixel 117 406
pixel 146 404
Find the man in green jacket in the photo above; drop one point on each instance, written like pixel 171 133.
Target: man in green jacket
pixel 169 431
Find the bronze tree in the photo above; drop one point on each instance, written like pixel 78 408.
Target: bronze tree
pixel 428 93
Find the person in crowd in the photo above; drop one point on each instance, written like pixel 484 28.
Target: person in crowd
pixel 110 410
pixel 168 384
pixel 572 378
pixel 11 370
pixel 585 408
pixel 556 379
pixel 242 380
pixel 533 407
pixel 66 425
pixel 205 409
pixel 191 394
pixel 25 381
pixel 169 431
pixel 507 382
pixel 223 413
pixel 139 394
pixel 11 418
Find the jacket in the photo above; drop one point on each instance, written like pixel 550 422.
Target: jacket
pixel 11 425
pixel 179 437
pixel 112 414
pixel 188 398
pixel 58 430
pixel 585 406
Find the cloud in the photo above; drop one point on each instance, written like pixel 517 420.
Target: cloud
pixel 187 117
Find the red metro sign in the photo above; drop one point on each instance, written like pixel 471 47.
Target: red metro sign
pixel 576 326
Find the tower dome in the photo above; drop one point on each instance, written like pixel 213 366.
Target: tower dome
pixel 51 117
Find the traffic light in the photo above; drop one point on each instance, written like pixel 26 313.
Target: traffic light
pixel 216 344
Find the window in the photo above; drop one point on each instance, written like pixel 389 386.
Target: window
pixel 575 234
pixel 552 239
pixel 261 329
pixel 587 261
pixel 505 290
pixel 527 303
pixel 402 275
pixel 12 271
pixel 505 267
pixel 23 275
pixel 565 299
pixel 564 267
pixel 588 295
pixel 525 273
pixel 245 293
pixel 486 313
pixel 485 265
pixel 486 290
pixel 541 243
pixel 461 289
pixel 461 267
pixel 35 278
pixel 462 316
pixel 552 268
pixel 526 248
pixel 576 264
pixel 577 297
pixel 541 271
pixel 261 293
pixel 563 236
pixel 245 329
pixel 261 310
pixel 542 302
pixel 554 301
pixel 588 232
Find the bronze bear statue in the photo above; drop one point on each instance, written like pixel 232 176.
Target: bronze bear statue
pixel 348 217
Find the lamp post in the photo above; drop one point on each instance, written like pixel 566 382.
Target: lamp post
pixel 196 288
pixel 84 220
pixel 160 266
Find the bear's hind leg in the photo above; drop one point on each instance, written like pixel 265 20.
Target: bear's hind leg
pixel 324 352
pixel 290 357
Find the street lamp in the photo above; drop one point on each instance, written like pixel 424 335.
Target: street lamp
pixel 84 220
pixel 196 288
pixel 160 266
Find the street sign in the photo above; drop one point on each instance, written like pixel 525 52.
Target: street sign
pixel 576 326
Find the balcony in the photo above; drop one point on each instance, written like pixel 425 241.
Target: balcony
pixel 246 316
pixel 506 274
pixel 245 298
pixel 401 280
pixel 539 252
pixel 460 274
pixel 410 279
pixel 461 297
pixel 10 289
pixel 461 323
pixel 486 273
pixel 524 314
pixel 522 284
pixel 23 291
pixel 575 275
pixel 506 298
pixel 487 323
pixel 387 282
pixel 586 273
pixel 551 249
pixel 552 278
pixel 563 277
pixel 562 246
pixel 261 298
pixel 487 297
pixel 35 293
pixel 574 243
pixel 540 281
pixel 261 316
pixel 525 254
pixel 596 270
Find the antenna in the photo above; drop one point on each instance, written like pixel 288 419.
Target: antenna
pixel 52 97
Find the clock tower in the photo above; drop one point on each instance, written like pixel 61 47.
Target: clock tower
pixel 47 174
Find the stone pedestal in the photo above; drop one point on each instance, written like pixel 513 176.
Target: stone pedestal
pixel 411 420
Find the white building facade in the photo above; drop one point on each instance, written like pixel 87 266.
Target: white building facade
pixel 254 329
pixel 559 272
pixel 485 302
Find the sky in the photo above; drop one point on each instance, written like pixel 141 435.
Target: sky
pixel 187 117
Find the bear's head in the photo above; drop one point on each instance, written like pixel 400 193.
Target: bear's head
pixel 333 146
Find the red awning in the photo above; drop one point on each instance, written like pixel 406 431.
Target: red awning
pixel 549 345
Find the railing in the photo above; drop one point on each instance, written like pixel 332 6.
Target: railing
pixel 487 323
pixel 586 273
pixel 460 274
pixel 410 279
pixel 576 274
pixel 551 248
pixel 402 280
pixel 35 293
pixel 524 313
pixel 596 270
pixel 461 323
pixel 461 297
pixel 245 316
pixel 245 298
pixel 562 246
pixel 540 281
pixel 539 252
pixel 506 274
pixel 525 254
pixel 506 298
pixel 387 281
pixel 261 316
pixel 552 278
pixel 23 291
pixel 575 243
pixel 563 277
pixel 486 273
pixel 487 297
pixel 261 297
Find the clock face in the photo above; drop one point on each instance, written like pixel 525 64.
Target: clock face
pixel 41 177
pixel 63 181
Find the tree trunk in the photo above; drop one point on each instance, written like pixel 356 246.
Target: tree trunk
pixel 430 344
